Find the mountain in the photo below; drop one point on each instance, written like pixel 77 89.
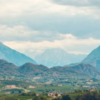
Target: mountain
pixel 78 70
pixel 67 72
pixel 8 69
pixel 57 57
pixel 93 58
pixel 87 69
pixel 30 69
pixel 13 56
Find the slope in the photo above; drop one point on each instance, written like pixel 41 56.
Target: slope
pixel 93 58
pixel 13 56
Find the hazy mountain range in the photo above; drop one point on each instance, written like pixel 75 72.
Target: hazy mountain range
pixel 57 57
pixel 50 57
pixel 13 56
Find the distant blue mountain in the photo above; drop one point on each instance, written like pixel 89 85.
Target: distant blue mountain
pixel 93 58
pixel 13 56
pixel 57 57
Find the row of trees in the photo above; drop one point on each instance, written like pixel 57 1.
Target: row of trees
pixel 86 96
pixel 40 98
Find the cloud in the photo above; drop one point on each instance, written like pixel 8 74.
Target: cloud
pixel 23 33
pixel 13 8
pixel 70 43
pixel 17 8
pixel 31 26
pixel 78 3
pixel 43 16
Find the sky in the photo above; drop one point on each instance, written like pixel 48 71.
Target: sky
pixel 32 26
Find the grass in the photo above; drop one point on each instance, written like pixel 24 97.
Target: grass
pixel 52 88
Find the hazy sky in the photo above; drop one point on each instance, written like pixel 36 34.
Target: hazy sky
pixel 31 26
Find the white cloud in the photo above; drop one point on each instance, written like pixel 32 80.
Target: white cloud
pixel 32 42
pixel 16 8
pixel 50 16
pixel 70 43
pixel 46 16
pixel 78 3
pixel 23 33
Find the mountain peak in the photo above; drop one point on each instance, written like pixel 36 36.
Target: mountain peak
pixel 57 57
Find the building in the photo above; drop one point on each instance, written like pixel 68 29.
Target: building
pixel 10 87
pixel 7 92
pixel 86 86
pixel 51 94
pixel 93 91
pixel 93 87
pixel 91 80
pixel 54 95
pixel 60 85
pixel 37 94
pixel 58 95
pixel 30 86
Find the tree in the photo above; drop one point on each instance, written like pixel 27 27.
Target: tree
pixel 66 97
pixel 33 94
pixel 44 98
pixel 87 96
pixel 36 98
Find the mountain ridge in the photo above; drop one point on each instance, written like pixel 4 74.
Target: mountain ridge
pixel 93 58
pixel 13 56
pixel 29 71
